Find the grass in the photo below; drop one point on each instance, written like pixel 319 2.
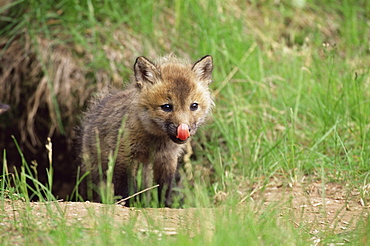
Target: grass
pixel 292 93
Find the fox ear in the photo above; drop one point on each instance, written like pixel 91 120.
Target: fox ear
pixel 203 69
pixel 145 71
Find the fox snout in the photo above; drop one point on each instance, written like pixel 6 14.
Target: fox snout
pixel 179 133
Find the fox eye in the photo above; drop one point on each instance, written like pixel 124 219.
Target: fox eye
pixel 167 107
pixel 194 106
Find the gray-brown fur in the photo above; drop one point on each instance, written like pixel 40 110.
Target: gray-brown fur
pixel 149 137
pixel 3 107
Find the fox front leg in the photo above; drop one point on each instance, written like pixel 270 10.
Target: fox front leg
pixel 164 175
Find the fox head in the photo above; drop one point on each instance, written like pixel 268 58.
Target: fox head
pixel 173 97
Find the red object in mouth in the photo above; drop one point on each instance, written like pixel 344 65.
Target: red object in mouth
pixel 183 132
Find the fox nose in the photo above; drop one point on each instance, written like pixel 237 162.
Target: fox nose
pixel 183 131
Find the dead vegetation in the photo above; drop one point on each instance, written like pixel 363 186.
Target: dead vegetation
pixel 31 86
pixel 47 85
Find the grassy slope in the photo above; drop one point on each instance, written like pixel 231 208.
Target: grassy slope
pixel 291 87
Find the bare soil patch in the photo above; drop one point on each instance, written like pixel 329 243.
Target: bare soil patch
pixel 330 207
pixel 318 206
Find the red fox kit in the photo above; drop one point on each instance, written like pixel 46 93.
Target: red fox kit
pixel 163 106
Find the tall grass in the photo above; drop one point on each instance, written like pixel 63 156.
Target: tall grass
pixel 291 86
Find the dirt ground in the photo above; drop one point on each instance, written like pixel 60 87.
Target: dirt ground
pixel 331 207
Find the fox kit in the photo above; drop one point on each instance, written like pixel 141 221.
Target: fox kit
pixel 161 109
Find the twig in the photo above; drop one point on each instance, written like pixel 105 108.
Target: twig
pixel 138 193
